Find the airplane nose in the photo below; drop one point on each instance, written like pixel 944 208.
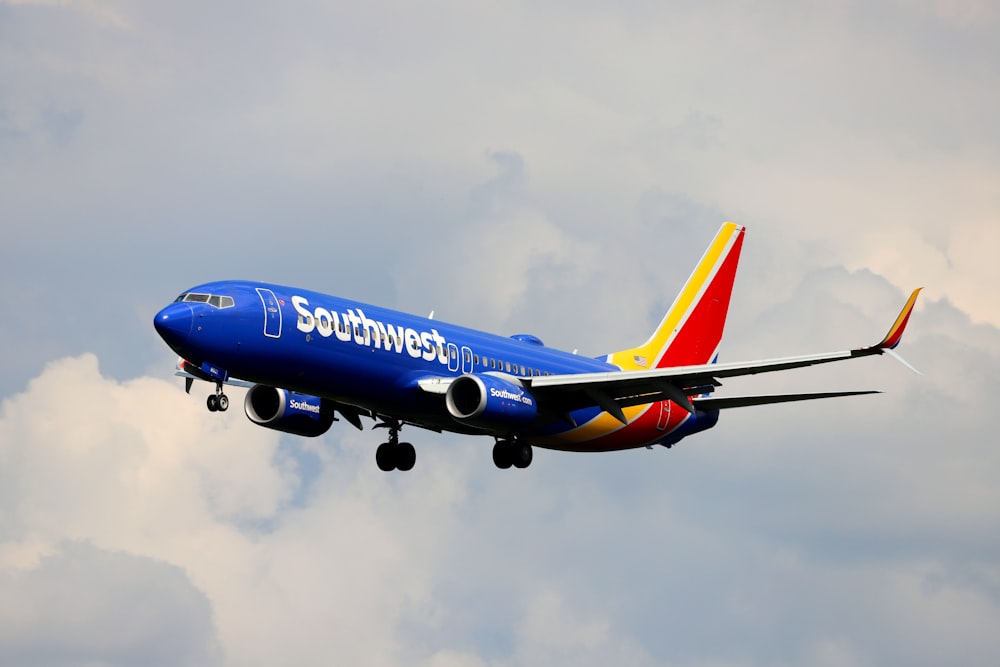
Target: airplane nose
pixel 174 324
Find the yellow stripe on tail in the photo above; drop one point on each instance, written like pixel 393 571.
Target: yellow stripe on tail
pixel 692 329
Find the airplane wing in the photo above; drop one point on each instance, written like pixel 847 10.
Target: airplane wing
pixel 722 403
pixel 615 390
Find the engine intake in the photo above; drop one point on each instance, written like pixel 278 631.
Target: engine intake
pixel 288 411
pixel 488 402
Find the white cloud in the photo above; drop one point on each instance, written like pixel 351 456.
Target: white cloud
pixel 141 468
pixel 866 524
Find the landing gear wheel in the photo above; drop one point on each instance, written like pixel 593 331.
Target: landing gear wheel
pixel 406 456
pixel 385 457
pixel 223 402
pixel 213 403
pixel 502 454
pixel 394 455
pixel 521 455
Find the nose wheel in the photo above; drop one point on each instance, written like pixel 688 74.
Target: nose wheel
pixel 217 402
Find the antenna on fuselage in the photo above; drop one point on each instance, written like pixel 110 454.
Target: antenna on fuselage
pixel 431 316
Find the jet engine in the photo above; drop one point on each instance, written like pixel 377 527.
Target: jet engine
pixel 288 411
pixel 487 402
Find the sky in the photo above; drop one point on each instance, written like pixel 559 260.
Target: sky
pixel 553 168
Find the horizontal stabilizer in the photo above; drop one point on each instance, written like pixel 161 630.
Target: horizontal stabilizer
pixel 724 402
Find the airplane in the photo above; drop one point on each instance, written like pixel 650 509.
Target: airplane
pixel 309 359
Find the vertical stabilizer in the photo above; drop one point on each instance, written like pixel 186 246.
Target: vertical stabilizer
pixel 692 329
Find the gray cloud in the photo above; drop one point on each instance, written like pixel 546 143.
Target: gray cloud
pixel 320 145
pixel 85 606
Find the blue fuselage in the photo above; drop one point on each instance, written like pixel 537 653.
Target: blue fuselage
pixel 351 352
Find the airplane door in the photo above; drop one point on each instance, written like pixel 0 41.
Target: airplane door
pixel 467 360
pixel 272 313
pixel 452 357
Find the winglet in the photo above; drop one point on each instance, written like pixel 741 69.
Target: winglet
pixel 895 334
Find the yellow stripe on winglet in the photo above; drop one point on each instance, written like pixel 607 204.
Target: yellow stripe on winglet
pixel 892 338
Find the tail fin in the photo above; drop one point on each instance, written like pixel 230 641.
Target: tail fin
pixel 692 329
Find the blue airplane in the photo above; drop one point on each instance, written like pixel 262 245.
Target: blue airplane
pixel 308 357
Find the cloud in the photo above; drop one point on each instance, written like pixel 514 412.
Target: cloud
pixel 864 131
pixel 507 255
pixel 83 605
pixel 102 12
pixel 138 468
pixel 552 169
pixel 836 531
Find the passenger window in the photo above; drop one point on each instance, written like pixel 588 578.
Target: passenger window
pixel 508 366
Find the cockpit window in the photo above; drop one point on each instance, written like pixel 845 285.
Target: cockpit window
pixel 214 300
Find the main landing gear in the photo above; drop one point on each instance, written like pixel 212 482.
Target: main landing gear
pixel 218 402
pixel 507 453
pixel 393 454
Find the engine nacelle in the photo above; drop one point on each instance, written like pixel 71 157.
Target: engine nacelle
pixel 288 411
pixel 488 402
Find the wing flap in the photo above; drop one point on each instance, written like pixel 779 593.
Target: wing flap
pixel 725 402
